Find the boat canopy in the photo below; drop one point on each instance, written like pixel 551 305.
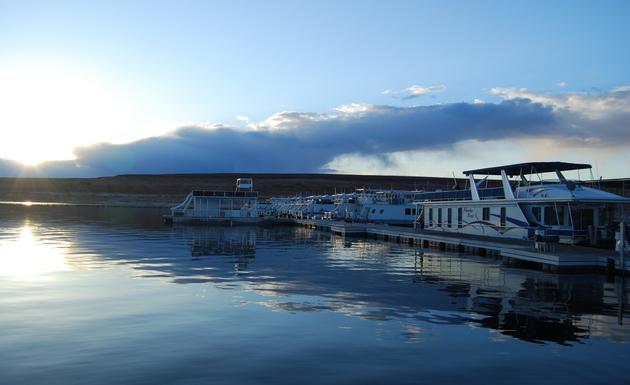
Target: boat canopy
pixel 529 168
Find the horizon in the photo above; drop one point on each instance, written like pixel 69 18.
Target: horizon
pixel 403 89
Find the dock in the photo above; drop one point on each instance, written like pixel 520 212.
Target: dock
pixel 556 257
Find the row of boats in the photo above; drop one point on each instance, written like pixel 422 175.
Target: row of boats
pixel 519 201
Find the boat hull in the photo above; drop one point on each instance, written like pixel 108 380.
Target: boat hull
pixel 199 220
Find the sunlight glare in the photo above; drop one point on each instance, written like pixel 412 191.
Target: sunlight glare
pixel 27 258
pixel 48 111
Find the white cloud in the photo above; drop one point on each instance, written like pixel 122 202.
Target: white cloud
pixel 589 104
pixel 242 118
pixel 414 91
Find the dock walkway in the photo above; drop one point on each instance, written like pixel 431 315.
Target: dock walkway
pixel 559 257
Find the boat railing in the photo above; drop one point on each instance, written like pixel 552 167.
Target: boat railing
pixel 460 195
pixel 227 194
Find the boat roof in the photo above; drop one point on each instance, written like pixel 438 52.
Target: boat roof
pixel 529 168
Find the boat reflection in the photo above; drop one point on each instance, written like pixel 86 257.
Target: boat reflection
pixel 303 270
pixel 382 281
pixel 237 242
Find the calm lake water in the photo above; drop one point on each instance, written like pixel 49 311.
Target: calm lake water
pixel 111 296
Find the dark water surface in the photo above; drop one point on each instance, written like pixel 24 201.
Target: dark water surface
pixel 111 296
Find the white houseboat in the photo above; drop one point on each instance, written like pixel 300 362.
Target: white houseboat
pixel 522 207
pixel 362 205
pixel 393 207
pixel 239 206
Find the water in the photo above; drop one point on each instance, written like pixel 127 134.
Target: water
pixel 111 296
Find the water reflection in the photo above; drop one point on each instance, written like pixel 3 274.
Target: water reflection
pixel 304 271
pixel 25 257
pixel 222 241
pixel 300 270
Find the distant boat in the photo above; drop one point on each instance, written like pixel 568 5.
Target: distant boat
pixel 362 205
pixel 219 207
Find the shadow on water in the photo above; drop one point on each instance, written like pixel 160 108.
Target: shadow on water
pixel 301 270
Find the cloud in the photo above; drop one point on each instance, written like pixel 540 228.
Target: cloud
pixel 592 105
pixel 587 118
pixel 414 91
pixel 621 89
pixel 292 141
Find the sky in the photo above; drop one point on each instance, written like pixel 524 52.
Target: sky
pixel 367 87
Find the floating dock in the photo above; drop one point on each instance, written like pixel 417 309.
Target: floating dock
pixel 554 258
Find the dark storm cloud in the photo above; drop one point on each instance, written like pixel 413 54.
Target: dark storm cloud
pixel 298 142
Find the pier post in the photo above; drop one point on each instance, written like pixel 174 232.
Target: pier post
pixel 622 235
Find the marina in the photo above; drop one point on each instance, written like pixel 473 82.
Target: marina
pixel 551 223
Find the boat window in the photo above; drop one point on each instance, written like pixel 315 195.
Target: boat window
pixel 486 213
pixel 536 213
pixel 582 218
pixel 373 211
pixel 430 217
pixel 459 217
pixel 407 211
pixel 561 211
pixel 550 216
pixel 439 221
pixel 449 217
pixel 413 211
pixel 381 212
pixel 503 217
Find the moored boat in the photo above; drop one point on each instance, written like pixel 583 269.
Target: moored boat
pixel 569 211
pixel 219 207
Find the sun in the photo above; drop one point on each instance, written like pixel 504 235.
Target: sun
pixel 42 112
pixel 48 111
pixel 31 160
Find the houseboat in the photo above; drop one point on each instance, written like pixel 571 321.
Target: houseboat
pixel 523 204
pixel 219 207
pixel 394 207
pixel 362 205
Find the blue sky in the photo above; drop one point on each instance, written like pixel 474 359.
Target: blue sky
pixel 118 73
